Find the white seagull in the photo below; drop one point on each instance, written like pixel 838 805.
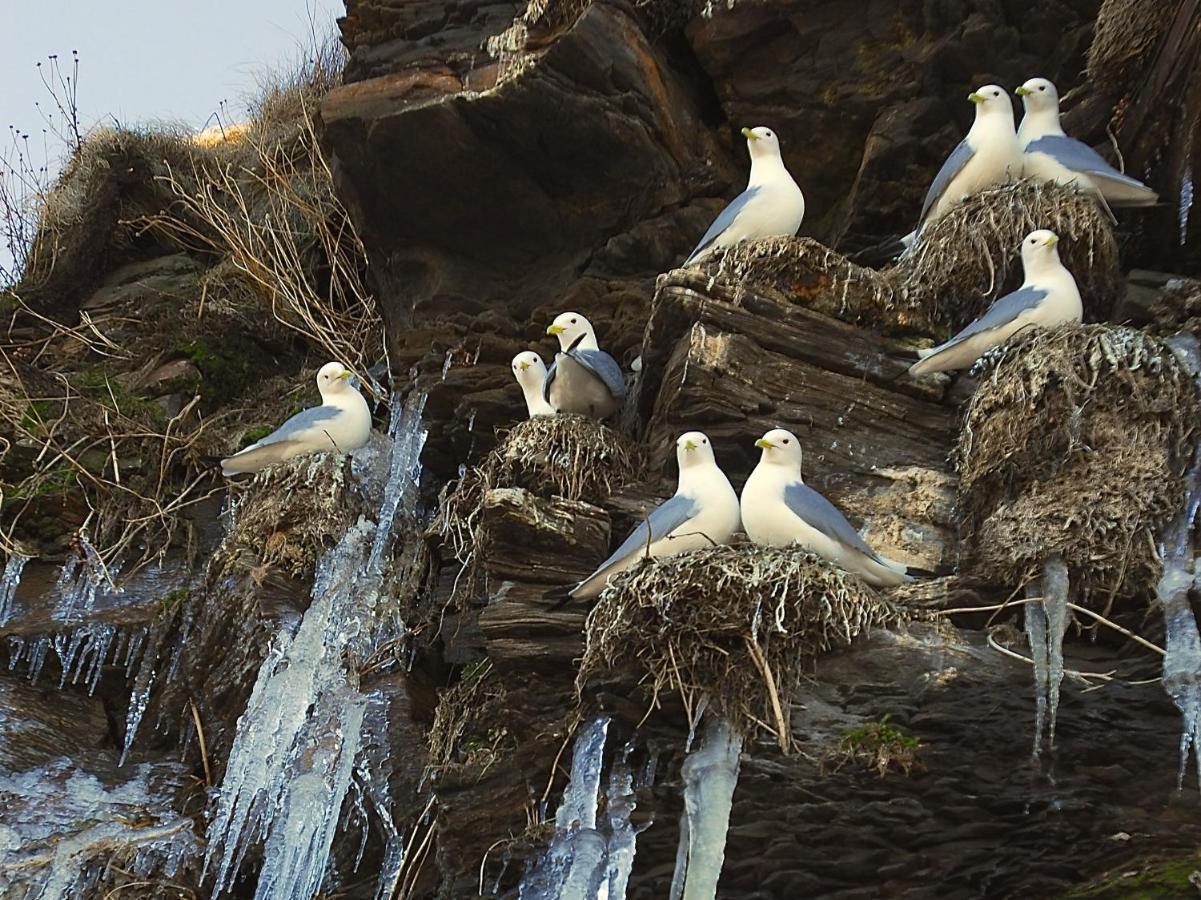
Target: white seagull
pixel 1050 155
pixel 703 512
pixel 341 423
pixel 772 205
pixel 988 155
pixel 583 378
pixel 779 510
pixel 1048 297
pixel 530 372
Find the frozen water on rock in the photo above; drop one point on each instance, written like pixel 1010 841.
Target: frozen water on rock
pixel 622 834
pixel 1046 624
pixel 8 584
pixel 710 775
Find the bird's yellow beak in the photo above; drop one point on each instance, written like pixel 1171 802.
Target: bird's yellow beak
pixel 689 445
pixel 1022 90
pixel 555 329
pixel 523 366
pixel 346 375
pixel 975 97
pixel 1053 240
pixel 749 135
pixel 765 444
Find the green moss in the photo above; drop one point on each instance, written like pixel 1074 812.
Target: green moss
pixel 1178 878
pixel 97 384
pixel 54 482
pixel 878 746
pixel 36 417
pixel 171 599
pixel 224 370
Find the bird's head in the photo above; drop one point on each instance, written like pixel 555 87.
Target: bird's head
pixel 991 99
pixel 780 448
pixel 568 326
pixel 528 368
pixel 1039 248
pixel 333 378
pixel 693 448
pixel 1038 94
pixel 761 141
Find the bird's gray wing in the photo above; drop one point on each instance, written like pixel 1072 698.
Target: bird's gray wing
pixel 724 220
pixel 550 376
pixel 662 521
pixel 1003 311
pixel 314 417
pixel 953 166
pixel 820 513
pixel 603 366
pixel 1079 157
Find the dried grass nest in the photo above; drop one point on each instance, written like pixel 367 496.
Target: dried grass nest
pixel 1075 443
pixel 736 627
pixel 569 456
pixel 972 254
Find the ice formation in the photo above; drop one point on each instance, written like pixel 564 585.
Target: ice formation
pixel 8 584
pixel 1046 623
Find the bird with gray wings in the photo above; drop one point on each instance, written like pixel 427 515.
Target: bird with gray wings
pixel 1048 297
pixel 1050 155
pixel 780 510
pixel 583 379
pixel 703 512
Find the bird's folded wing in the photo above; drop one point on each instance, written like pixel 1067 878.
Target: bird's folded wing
pixel 1001 313
pixel 959 158
pixel 818 512
pixel 662 521
pixel 308 423
pixel 604 367
pixel 256 457
pixel 1079 157
pixel 724 220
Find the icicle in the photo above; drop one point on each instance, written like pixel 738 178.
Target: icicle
pixel 622 835
pixel 408 439
pixel 1036 634
pixel 8 584
pixel 710 776
pixel 1046 624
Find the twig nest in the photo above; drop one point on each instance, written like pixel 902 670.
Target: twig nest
pixel 1076 443
pixel 1126 32
pixel 811 274
pixel 972 255
pixel 739 625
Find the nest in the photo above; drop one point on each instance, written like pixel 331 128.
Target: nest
pixel 470 721
pixel 971 255
pixel 1076 443
pixel 1126 33
pixel 734 628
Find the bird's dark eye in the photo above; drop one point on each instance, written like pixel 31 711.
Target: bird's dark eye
pixel 785 441
pixel 1042 87
pixel 573 321
pixel 704 440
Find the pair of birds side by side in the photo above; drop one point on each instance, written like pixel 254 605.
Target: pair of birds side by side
pixel 993 152
pixel 583 378
pixel 776 509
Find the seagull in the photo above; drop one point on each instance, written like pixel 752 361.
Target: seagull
pixel 779 510
pixel 772 205
pixel 1048 297
pixel 988 155
pixel 530 372
pixel 1050 155
pixel 703 512
pixel 341 423
pixel 583 378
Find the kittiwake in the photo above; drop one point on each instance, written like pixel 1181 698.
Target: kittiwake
pixel 530 372
pixel 1048 297
pixel 1050 155
pixel 772 205
pixel 703 512
pixel 987 155
pixel 779 510
pixel 341 423
pixel 583 378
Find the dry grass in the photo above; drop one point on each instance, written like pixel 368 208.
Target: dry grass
pixel 469 727
pixel 877 747
pixel 733 628
pixel 1075 443
pixel 1125 34
pixel 971 255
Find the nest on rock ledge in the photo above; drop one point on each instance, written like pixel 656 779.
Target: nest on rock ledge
pixel 568 456
pixel 971 255
pixel 1076 443
pixel 735 627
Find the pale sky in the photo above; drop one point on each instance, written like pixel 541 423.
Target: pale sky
pixel 142 61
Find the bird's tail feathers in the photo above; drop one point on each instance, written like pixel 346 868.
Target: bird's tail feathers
pixel 559 596
pixel 254 458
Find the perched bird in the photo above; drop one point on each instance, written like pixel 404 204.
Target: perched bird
pixel 530 372
pixel 988 155
pixel 1050 155
pixel 341 423
pixel 583 378
pixel 1048 297
pixel 703 512
pixel 772 205
pixel 779 509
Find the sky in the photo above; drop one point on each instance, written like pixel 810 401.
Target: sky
pixel 146 61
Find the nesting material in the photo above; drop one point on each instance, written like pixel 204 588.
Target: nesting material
pixel 972 255
pixel 1075 443
pixel 738 625
pixel 1126 33
pixel 470 721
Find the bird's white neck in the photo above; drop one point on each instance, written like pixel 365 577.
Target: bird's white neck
pixel 1040 266
pixel 341 397
pixel 1038 123
pixel 991 123
pixel 767 169
pixel 698 477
